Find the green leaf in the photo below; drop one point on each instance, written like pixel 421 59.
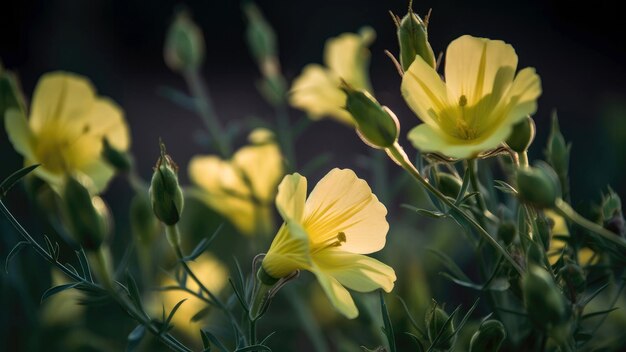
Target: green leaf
pixel 425 212
pixel 18 247
pixel 241 300
pixel 443 329
pixel 56 289
pixel 15 177
pixel 206 343
pixel 583 301
pixel 416 340
pixel 133 290
pixel 166 324
pixel 267 337
pixel 203 245
pixel 84 265
pixel 411 319
pixel 254 348
pixel 505 187
pixel 200 314
pixel 595 314
pixel 134 338
pixel 387 327
pixel 447 262
pixel 466 317
pixel 207 336
pixel 464 186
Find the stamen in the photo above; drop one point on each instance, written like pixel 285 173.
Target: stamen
pixel 331 242
pixel 462 100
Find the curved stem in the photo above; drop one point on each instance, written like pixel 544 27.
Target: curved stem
pixel 399 156
pixel 205 108
pixel 568 212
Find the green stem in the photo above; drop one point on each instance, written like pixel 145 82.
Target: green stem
pixel 482 206
pixel 399 156
pixel 207 112
pixel 566 211
pixel 142 318
pixel 252 332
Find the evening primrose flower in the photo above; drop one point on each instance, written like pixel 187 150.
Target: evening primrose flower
pixel 317 91
pixel 65 131
pixel 476 107
pixel 328 233
pixel 242 189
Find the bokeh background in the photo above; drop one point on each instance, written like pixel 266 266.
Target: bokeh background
pixel 578 49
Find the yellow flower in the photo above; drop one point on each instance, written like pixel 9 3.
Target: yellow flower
pixel 65 130
pixel 475 109
pixel 586 255
pixel 327 235
pixel 214 276
pixel 242 189
pixel 316 90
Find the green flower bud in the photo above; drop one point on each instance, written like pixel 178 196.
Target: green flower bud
pixel 436 321
pixel 557 152
pixel 538 185
pixel 449 184
pixel 165 192
pixel 87 216
pixel 143 223
pixel 11 96
pixel 413 40
pixel 184 44
pixel 120 160
pixel 543 300
pixel 522 135
pixel 507 232
pixel 612 215
pixel 541 228
pixel 488 337
pixel 376 125
pixel 259 34
pixel 535 254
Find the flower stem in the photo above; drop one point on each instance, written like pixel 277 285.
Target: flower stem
pixel 399 156
pixel 205 108
pixel 566 211
pixel 285 135
pixel 473 174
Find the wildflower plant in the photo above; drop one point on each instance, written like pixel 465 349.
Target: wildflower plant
pixel 540 276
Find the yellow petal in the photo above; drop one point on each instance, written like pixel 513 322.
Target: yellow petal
pixel 317 92
pixel 99 173
pixel 424 91
pixel 106 120
pixel 428 139
pixel 215 175
pixel 291 197
pixel 59 98
pixel 19 133
pixel 289 251
pixel 476 67
pixel 261 166
pixel 348 57
pixel 523 94
pixel 343 203
pixel 355 271
pixel 337 294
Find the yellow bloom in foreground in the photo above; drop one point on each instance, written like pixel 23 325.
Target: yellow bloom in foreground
pixel 242 189
pixel 65 130
pixel 316 90
pixel 586 256
pixel 476 107
pixel 214 276
pixel 327 235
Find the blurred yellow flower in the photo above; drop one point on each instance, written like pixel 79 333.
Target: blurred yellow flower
pixel 242 189
pixel 327 235
pixel 65 130
pixel 316 90
pixel 214 276
pixel 586 255
pixel 476 107
pixel 63 308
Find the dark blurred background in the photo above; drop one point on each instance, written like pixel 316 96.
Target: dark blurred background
pixel 578 49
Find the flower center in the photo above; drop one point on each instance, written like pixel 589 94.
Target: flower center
pixel 330 243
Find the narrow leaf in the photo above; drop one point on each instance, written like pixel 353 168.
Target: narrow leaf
pixel 173 311
pixel 254 348
pixel 388 328
pixel 56 289
pixel 450 265
pixel 134 338
pixel 602 312
pixel 214 340
pixel 15 177
pixel 18 247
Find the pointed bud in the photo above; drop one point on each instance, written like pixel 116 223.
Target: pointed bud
pixel 538 185
pixel 86 215
pixel 573 277
pixel 376 124
pixel 120 160
pixel 413 40
pixel 11 96
pixel 612 215
pixel 543 300
pixel 184 44
pixel 488 337
pixel 436 319
pixel 165 192
pixel 522 135
pixel 557 153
